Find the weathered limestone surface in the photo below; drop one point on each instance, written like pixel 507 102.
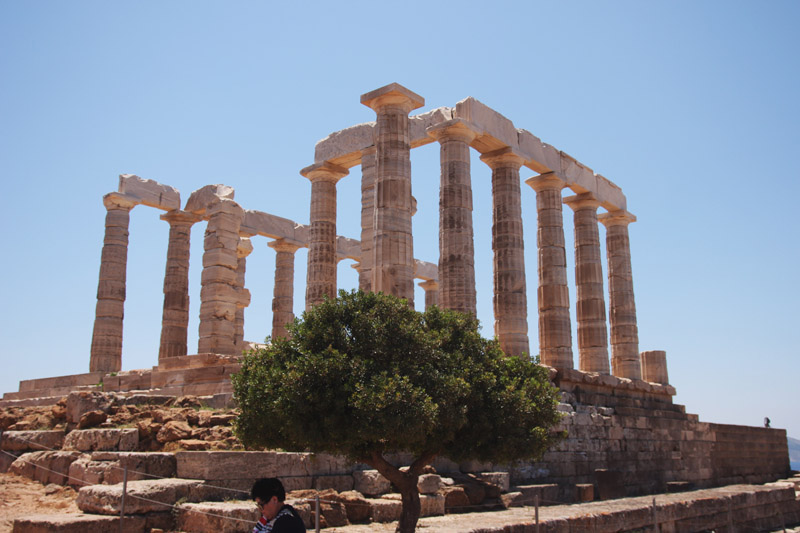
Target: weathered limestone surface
pixel 201 199
pixel 143 496
pixel 625 360
pixel 175 320
pixel 45 466
pixel 81 523
pixel 456 247
pixel 371 482
pixel 221 517
pixel 242 251
pixel 106 352
pixel 394 245
pixel 368 164
pixel 283 291
pixel 321 272
pixel 15 441
pixel 555 330
pixel 149 192
pixel 654 366
pixel 219 297
pixel 510 299
pixel 591 304
pixel 85 440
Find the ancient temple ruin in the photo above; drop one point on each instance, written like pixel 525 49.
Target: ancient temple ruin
pixel 621 416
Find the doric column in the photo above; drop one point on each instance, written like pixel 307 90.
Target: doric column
pixel 106 353
pixel 393 267
pixel 456 248
pixel 175 317
pixel 432 291
pixel 321 274
pixel 367 218
pixel 625 360
pixel 219 296
pixel 242 251
pixel 283 292
pixel 591 303
pixel 555 333
pixel 654 367
pixel 510 299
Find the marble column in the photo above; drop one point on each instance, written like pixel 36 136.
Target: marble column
pixel 106 352
pixel 367 218
pixel 283 291
pixel 555 333
pixel 219 296
pixel 591 303
pixel 321 273
pixel 393 266
pixel 175 317
pixel 510 299
pixel 456 247
pixel 244 249
pixel 432 291
pixel 654 367
pixel 625 360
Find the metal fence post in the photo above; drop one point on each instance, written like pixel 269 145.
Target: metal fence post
pixel 124 491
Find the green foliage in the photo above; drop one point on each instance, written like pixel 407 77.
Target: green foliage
pixel 364 373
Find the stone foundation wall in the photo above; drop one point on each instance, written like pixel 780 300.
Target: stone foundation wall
pixel 742 454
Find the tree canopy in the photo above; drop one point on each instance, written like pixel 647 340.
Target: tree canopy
pixel 364 375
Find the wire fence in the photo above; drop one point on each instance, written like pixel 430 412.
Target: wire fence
pixel 657 519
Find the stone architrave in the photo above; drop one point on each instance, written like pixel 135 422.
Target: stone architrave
pixel 510 298
pixel 432 291
pixel 321 274
pixel 106 351
pixel 242 251
pixel 283 292
pixel 175 317
pixel 367 218
pixel 555 333
pixel 456 247
pixel 219 296
pixel 393 267
pixel 591 303
pixel 625 359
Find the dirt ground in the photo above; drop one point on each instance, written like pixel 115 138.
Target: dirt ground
pixel 20 496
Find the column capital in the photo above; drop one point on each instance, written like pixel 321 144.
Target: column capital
pixel 176 216
pixel 392 95
pixel 620 217
pixel 244 248
pixel 503 158
pixel 546 181
pixel 283 245
pixel 115 200
pixel 429 285
pixel 582 201
pixel 324 171
pixel 455 130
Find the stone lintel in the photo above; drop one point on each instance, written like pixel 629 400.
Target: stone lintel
pixel 506 156
pixel 394 95
pixel 425 270
pixel 544 182
pixel 457 129
pixel 150 192
pixel 429 285
pixel 285 245
pixel 325 171
pixel 579 201
pixel 273 227
pixel 620 217
pixel 347 248
pixel 115 200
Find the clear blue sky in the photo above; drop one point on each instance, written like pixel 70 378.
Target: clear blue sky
pixel 691 107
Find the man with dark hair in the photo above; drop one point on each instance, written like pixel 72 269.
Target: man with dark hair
pixel 276 517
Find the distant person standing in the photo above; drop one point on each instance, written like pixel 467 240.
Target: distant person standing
pixel 766 421
pixel 276 516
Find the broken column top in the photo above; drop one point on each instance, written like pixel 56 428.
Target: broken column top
pixel 202 198
pixel 393 94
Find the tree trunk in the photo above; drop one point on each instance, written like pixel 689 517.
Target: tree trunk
pixel 412 507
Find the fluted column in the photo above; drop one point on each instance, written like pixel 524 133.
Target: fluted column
pixel 510 299
pixel 175 317
pixel 106 352
pixel 393 267
pixel 242 251
pixel 456 247
pixel 625 361
pixel 591 303
pixel 432 291
pixel 367 218
pixel 654 367
pixel 321 273
pixel 219 296
pixel 283 291
pixel 555 333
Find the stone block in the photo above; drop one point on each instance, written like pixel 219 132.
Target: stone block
pixel 610 195
pixel 530 147
pixel 143 496
pixel 548 494
pixel 81 523
pixel 338 483
pixel 499 479
pixel 222 517
pixel 79 403
pixel 85 440
pixel 578 176
pixel 429 483
pixel 149 192
pixel 45 467
pixel 385 510
pixel 344 147
pixel 201 199
pixel 488 121
pixel 584 492
pixel 24 441
pixel 418 125
pixel 371 482
pixel 456 499
pixel 357 507
pixel 241 465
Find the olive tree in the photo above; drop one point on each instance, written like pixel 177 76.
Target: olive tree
pixel 363 375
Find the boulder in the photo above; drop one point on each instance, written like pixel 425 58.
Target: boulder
pixel 92 419
pixel 79 403
pixel 174 430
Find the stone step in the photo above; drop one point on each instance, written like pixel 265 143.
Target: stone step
pixel 81 523
pixel 144 496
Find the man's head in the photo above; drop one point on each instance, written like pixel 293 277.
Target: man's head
pixel 268 492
